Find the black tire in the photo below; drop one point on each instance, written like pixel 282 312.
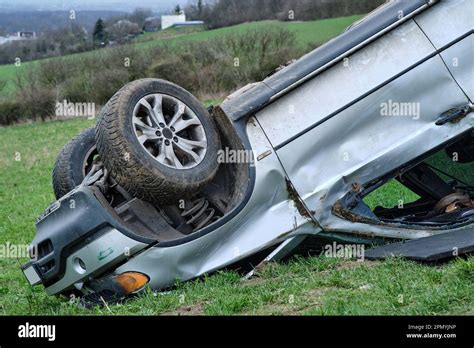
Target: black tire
pixel 74 162
pixel 135 168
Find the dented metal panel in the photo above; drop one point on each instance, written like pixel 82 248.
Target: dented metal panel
pixel 365 70
pixel 361 144
pixel 270 217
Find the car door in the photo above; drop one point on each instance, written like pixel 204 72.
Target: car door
pixel 363 118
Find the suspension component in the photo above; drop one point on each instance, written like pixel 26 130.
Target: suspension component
pixel 199 214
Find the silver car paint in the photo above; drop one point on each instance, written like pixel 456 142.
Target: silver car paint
pixel 117 246
pixel 363 71
pixel 447 21
pixel 269 217
pixel 458 59
pixel 359 145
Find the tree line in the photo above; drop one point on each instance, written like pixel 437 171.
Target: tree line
pixel 75 38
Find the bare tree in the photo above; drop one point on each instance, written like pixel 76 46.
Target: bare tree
pixel 122 30
pixel 139 16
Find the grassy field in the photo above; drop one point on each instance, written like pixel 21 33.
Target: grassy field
pixel 308 33
pixel 311 33
pixel 313 286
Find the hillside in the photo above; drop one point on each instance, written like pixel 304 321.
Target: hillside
pixel 309 35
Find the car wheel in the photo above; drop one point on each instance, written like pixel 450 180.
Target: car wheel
pixel 73 163
pixel 158 141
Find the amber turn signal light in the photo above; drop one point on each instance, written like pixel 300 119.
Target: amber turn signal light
pixel 131 281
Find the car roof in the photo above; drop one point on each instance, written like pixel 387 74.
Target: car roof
pixel 376 22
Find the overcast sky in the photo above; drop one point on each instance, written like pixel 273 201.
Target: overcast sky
pixel 119 5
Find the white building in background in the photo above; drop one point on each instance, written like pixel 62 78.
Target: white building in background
pixel 171 20
pixel 19 36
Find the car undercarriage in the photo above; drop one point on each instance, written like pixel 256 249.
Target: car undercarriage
pixel 444 199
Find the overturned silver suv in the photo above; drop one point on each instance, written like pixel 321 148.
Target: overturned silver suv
pixel 165 190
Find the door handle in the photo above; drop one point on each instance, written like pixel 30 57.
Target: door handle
pixel 455 114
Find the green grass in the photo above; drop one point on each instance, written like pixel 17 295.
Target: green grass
pixel 307 286
pixel 308 34
pixel 391 195
pixel 7 75
pixel 312 33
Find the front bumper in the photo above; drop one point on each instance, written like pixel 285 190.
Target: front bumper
pixel 77 238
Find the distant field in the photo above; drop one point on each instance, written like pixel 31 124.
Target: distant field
pixel 309 34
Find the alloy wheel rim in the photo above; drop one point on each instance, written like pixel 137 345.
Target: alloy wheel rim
pixel 169 131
